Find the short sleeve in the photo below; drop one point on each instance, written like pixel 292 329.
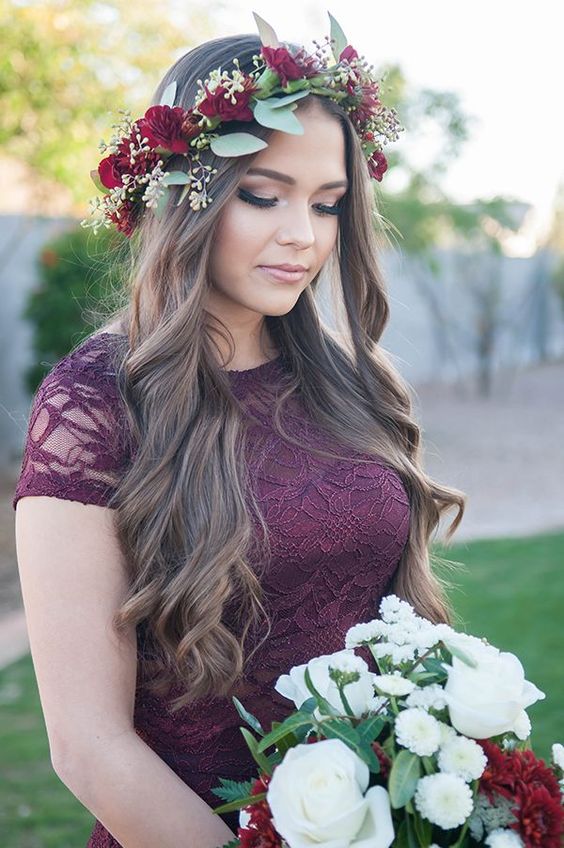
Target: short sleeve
pixel 76 446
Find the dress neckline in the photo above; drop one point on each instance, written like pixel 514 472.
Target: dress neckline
pixel 236 373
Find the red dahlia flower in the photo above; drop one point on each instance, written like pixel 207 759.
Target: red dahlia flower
pixel 377 165
pixel 287 67
pixel 540 818
pixel 217 105
pixel 162 126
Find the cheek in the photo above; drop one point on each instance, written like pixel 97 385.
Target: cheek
pixel 239 236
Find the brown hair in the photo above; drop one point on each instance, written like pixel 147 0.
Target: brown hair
pixel 181 509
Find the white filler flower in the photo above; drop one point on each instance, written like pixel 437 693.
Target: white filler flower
pixel 418 731
pixel 431 697
pixel 463 757
pixel 393 684
pixel 501 838
pixel 318 796
pixel 444 799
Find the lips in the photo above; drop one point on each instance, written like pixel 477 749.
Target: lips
pixel 286 267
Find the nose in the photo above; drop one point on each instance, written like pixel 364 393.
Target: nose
pixel 297 227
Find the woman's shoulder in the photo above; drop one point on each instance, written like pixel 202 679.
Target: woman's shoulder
pixel 77 441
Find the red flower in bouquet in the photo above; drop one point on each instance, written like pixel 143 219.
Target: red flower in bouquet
pixel 259 832
pixel 162 126
pixel 521 777
pixel 218 103
pixel 113 167
pixel 289 67
pixel 540 818
pixel 348 54
pixel 128 215
pixel 377 165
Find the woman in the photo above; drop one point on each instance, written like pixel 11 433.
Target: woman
pixel 252 480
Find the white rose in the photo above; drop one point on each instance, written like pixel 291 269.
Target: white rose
pixel 491 698
pixel 359 694
pixel 317 795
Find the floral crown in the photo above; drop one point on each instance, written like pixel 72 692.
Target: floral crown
pixel 132 175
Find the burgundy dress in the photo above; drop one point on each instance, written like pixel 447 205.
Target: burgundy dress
pixel 337 529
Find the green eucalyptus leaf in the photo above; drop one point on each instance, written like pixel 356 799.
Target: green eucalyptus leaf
pixel 338 37
pixel 237 144
pixel 277 102
pixel 161 204
pixel 404 775
pixel 95 176
pixel 176 178
pixel 461 654
pixel 185 191
pixel 169 95
pixel 267 35
pixel 281 119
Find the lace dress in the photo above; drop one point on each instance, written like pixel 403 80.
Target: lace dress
pixel 337 529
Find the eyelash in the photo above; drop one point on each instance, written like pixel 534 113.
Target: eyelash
pixel 268 203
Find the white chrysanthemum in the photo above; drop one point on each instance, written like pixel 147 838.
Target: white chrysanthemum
pixel 418 731
pixel 463 757
pixel 347 662
pixel 502 838
pixel 393 609
pixel 393 684
pixel 447 732
pixel 558 755
pixel 427 697
pixel 402 653
pixel 444 799
pixel 363 632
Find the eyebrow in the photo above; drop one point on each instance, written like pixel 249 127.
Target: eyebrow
pixel 284 178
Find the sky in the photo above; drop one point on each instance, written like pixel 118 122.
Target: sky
pixel 504 59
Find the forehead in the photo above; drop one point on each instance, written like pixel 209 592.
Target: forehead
pixel 317 155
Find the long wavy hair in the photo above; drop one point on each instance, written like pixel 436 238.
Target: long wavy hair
pixel 182 507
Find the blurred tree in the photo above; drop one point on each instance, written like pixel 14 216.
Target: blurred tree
pixel 67 66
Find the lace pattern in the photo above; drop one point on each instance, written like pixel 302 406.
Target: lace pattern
pixel 337 529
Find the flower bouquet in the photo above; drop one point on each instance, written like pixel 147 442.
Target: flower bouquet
pixel 431 750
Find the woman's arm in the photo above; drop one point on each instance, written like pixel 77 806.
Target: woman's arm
pixel 73 579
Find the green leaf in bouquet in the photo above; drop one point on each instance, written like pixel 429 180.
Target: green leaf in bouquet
pixel 338 37
pixel 322 703
pixel 289 725
pixel 341 729
pixel 161 204
pixel 95 177
pixel 371 729
pixel 233 790
pixel 462 655
pixel 241 802
pixel 423 829
pixel 277 102
pixel 309 705
pixel 290 740
pixel 237 144
pixel 282 118
pixel 168 95
pixel 402 782
pixel 176 178
pixel 435 666
pixel 251 720
pixel 233 843
pixel 405 837
pixel 259 757
pixel 267 34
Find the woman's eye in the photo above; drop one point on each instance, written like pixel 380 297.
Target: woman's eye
pixel 269 202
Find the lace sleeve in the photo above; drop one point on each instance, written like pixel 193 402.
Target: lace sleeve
pixel 76 446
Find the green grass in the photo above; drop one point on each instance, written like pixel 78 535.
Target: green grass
pixel 36 809
pixel 509 590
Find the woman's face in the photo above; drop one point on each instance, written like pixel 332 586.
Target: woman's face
pixel 295 223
